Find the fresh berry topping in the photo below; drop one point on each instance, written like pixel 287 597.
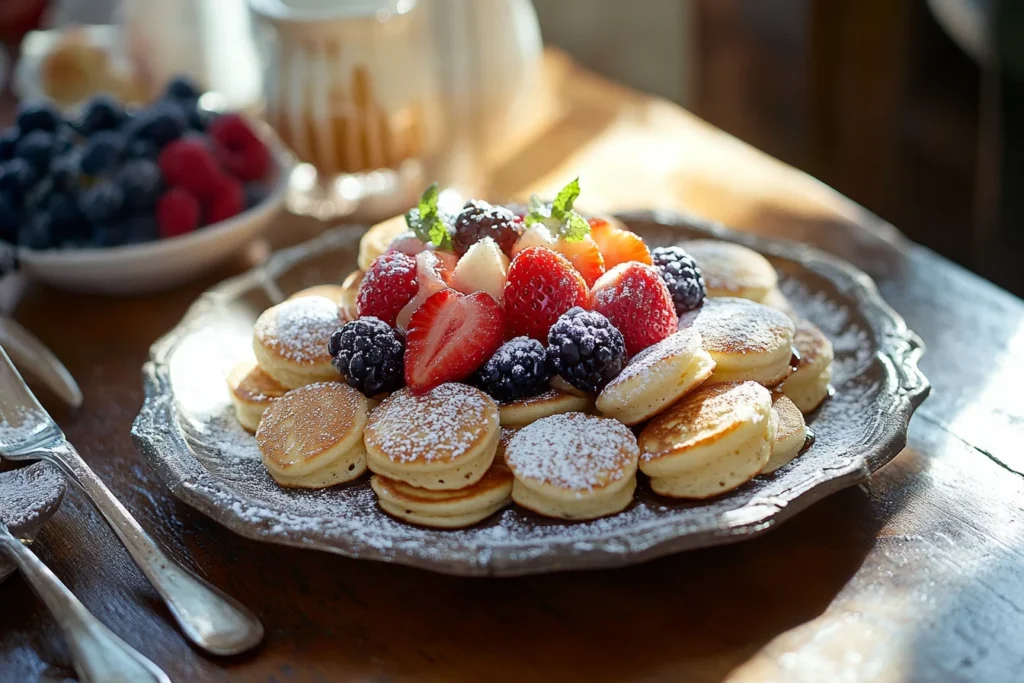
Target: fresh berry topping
pixel 618 245
pixel 228 201
pixel 584 256
pixel 102 203
pixel 559 217
pixel 370 355
pixel 238 148
pixel 681 275
pixel 586 350
pixel 432 278
pixel 635 300
pixel 101 113
pixel 481 269
pixel 189 164
pixel 17 176
pixel 450 336
pixel 36 148
pixel 518 369
pixel 177 212
pixel 479 219
pixel 101 153
pixel 159 124
pixel 541 286
pixel 388 286
pixel 182 88
pixel 141 182
pixel 428 222
pixel 38 116
pixel 537 235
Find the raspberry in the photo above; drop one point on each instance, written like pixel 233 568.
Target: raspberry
pixel 229 201
pixel 238 148
pixel 540 287
pixel 390 283
pixel 586 350
pixel 479 219
pixel 516 370
pixel 369 355
pixel 682 276
pixel 189 164
pixel 177 212
pixel 633 297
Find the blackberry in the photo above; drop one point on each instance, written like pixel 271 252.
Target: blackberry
pixel 479 219
pixel 518 369
pixel 369 355
pixel 681 275
pixel 585 349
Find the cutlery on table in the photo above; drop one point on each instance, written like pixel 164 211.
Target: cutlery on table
pixel 211 619
pixel 98 655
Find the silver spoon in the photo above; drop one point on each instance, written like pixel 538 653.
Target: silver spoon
pixel 27 498
pixel 211 619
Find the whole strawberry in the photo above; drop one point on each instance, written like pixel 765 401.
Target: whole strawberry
pixel 541 285
pixel 388 286
pixel 634 298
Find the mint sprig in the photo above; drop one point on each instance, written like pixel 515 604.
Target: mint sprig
pixel 559 217
pixel 426 222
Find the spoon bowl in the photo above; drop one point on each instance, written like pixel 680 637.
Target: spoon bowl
pixel 29 497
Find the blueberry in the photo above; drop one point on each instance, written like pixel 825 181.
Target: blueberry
pixel 36 148
pixel 38 116
pixel 10 216
pixel 64 140
pixel 141 182
pixel 142 149
pixel 112 235
pixel 8 139
pixel 142 227
pixel 196 118
pixel 102 204
pixel 101 153
pixel 182 88
pixel 35 233
pixel 17 175
pixel 160 124
pixel 255 193
pixel 64 172
pixel 63 207
pixel 101 113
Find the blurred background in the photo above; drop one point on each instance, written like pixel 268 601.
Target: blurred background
pixel 913 108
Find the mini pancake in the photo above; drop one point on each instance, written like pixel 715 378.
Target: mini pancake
pixel 777 300
pixel 378 238
pixel 252 392
pixel 560 384
pixel 808 386
pixel 656 378
pixel 442 440
pixel 453 509
pixel 712 441
pixel 350 295
pixel 747 340
pixel 290 340
pixel 573 466
pixel 790 435
pixel 312 437
pixel 527 410
pixel 732 270
pixel 332 292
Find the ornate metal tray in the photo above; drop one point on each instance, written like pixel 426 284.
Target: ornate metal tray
pixel 187 432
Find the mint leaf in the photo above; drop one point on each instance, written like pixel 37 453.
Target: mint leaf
pixel 425 220
pixel 428 202
pixel 565 198
pixel 439 235
pixel 576 227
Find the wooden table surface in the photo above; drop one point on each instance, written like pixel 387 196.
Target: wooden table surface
pixel 916 575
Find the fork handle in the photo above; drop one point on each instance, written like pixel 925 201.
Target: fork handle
pixel 99 656
pixel 211 619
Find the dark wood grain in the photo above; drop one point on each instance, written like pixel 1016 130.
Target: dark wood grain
pixel 917 575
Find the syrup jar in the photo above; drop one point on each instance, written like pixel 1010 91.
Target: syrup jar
pixel 351 86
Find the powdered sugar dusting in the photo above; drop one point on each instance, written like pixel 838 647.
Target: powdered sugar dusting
pixel 684 343
pixel 573 451
pixel 729 267
pixel 729 325
pixel 439 426
pixel 299 329
pixel 27 493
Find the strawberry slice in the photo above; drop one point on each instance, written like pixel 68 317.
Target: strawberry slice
pixel 618 245
pixel 635 299
pixel 450 336
pixel 541 285
pixel 584 256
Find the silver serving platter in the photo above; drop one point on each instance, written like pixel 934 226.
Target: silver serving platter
pixel 187 432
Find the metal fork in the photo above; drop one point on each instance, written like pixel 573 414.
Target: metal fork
pixel 212 620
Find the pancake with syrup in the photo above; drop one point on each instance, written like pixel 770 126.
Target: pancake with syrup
pixel 573 466
pixel 312 437
pixel 290 340
pixel 441 440
pixel 252 392
pixel 790 435
pixel 809 384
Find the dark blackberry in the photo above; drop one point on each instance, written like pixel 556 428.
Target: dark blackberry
pixel 681 275
pixel 479 219
pixel 369 355
pixel 518 369
pixel 585 349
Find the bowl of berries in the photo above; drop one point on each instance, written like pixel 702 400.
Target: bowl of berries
pixel 121 201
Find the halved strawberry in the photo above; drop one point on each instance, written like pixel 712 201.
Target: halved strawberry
pixel 450 336
pixel 389 284
pixel 431 277
pixel 584 256
pixel 541 285
pixel 618 245
pixel 635 299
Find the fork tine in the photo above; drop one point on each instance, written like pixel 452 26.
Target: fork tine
pixel 17 402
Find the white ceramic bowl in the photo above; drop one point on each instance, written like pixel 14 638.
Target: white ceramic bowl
pixel 153 266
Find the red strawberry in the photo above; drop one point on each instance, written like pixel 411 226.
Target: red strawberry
pixel 634 298
pixel 618 245
pixel 388 286
pixel 584 256
pixel 540 287
pixel 450 336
